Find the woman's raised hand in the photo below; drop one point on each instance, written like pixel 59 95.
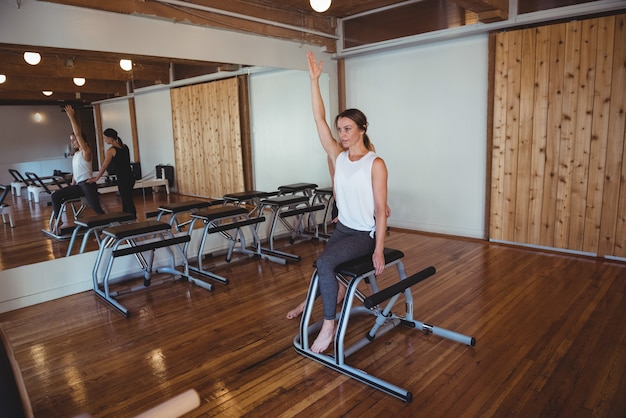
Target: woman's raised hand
pixel 315 68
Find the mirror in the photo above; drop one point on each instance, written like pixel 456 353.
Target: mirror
pixel 273 93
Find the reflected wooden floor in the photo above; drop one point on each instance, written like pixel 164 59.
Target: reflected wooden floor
pixel 26 244
pixel 550 342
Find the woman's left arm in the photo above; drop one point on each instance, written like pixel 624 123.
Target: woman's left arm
pixel 379 186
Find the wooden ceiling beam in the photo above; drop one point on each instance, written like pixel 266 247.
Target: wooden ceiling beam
pixel 289 19
pixel 38 84
pixel 96 70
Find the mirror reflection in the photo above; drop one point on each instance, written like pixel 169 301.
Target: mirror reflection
pixel 144 123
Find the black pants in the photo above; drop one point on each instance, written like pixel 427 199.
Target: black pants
pixel 126 188
pixel 89 190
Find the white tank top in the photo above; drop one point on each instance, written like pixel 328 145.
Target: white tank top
pixel 81 169
pixel 354 192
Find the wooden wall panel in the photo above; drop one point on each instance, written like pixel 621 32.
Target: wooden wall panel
pixel 498 136
pixel 539 133
pixel 207 138
pixel 613 178
pixel 599 132
pixel 582 134
pixel 558 178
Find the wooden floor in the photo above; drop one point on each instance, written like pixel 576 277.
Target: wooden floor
pixel 551 342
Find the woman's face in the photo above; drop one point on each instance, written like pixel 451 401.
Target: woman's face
pixel 108 140
pixel 74 142
pixel 349 133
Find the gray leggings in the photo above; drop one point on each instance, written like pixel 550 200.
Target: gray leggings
pixel 344 245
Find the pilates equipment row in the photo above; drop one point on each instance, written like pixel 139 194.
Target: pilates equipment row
pixel 236 218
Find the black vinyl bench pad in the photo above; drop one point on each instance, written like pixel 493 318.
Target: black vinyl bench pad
pixel 137 228
pixel 214 213
pixel 104 219
pixel 363 265
pixel 151 246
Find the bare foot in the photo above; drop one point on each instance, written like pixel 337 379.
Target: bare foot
pixel 296 312
pixel 58 228
pixel 325 337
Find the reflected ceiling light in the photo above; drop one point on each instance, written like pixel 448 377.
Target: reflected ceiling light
pixel 33 58
pixel 79 81
pixel 126 65
pixel 37 117
pixel 320 5
pixel 47 93
pixel 3 78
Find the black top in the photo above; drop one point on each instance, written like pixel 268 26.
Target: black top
pixel 120 164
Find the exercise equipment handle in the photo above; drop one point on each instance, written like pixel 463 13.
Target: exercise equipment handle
pixel 396 288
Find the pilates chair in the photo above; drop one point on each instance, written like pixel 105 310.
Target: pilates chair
pixel 40 185
pixel 20 181
pixel 351 274
pixel 138 239
pixel 5 208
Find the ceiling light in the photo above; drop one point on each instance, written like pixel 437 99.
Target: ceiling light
pixel 47 93
pixel 33 58
pixel 79 81
pixel 3 78
pixel 320 5
pixel 126 65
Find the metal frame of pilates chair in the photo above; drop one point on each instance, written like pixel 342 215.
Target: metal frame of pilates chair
pixel 222 219
pixel 286 206
pixel 351 274
pixel 129 233
pixel 86 226
pixel 53 223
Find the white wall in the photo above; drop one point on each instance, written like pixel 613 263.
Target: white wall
pixel 154 129
pixel 285 146
pixel 30 144
pixel 428 120
pixel 117 117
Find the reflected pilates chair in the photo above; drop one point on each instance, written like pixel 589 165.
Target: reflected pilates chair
pixel 47 184
pixel 5 208
pixel 351 274
pixel 18 183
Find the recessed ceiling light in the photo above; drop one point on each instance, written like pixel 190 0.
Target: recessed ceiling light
pixel 3 78
pixel 126 65
pixel 47 93
pixel 79 81
pixel 320 5
pixel 33 58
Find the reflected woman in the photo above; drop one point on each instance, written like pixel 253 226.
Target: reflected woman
pixel 117 160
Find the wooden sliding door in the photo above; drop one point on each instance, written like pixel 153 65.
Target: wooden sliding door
pixel 558 178
pixel 208 138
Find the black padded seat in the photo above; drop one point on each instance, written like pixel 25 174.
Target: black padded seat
pixel 218 212
pixel 362 265
pixel 137 228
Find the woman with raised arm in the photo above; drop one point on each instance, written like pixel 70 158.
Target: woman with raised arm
pixel 81 172
pixel 360 183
